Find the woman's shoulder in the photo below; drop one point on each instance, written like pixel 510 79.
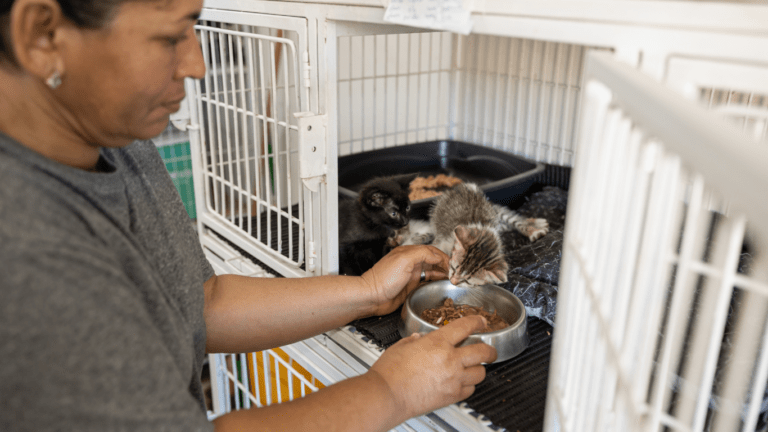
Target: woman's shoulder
pixel 41 202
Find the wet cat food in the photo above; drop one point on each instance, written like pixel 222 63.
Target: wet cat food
pixel 428 187
pixel 448 312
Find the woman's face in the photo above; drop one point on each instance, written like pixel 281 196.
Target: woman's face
pixel 122 82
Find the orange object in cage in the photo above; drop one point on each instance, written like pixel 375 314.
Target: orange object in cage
pixel 278 378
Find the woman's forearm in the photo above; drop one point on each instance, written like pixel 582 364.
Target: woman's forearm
pixel 244 314
pixel 359 404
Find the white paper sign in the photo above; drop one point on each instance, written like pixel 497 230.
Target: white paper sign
pixel 434 14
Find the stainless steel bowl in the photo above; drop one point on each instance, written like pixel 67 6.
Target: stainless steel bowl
pixel 508 342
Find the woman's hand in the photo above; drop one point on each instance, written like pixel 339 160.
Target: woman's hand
pixel 399 273
pixel 428 372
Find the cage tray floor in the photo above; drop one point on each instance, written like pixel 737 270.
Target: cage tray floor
pixel 513 394
pixel 265 226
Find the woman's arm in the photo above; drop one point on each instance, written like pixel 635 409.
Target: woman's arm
pixel 416 375
pixel 244 314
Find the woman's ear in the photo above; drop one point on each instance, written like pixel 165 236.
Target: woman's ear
pixel 34 27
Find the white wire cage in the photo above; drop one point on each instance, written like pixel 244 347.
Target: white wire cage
pixel 248 137
pixel 662 312
pixel 385 87
pixel 516 95
pixel 256 380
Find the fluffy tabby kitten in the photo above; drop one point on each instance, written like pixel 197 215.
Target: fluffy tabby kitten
pixel 365 224
pixel 467 226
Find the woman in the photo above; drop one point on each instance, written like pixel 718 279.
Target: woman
pixel 107 304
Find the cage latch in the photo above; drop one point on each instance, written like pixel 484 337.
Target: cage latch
pixel 312 166
pixel 311 256
pixel 182 119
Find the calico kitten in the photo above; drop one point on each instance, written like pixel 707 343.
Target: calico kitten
pixel 467 226
pixel 365 224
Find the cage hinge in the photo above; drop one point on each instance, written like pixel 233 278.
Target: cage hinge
pixel 306 69
pixel 312 149
pixel 311 256
pixel 181 119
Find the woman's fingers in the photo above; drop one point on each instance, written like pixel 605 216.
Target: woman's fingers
pixel 435 274
pixel 458 330
pixel 436 258
pixel 466 391
pixel 473 375
pixel 477 353
pixel 425 372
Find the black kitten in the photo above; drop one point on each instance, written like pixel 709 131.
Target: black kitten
pixel 382 206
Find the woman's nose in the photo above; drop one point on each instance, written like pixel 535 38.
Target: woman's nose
pixel 192 64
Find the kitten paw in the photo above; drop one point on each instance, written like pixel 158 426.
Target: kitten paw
pixel 535 228
pixel 424 239
pixel 395 240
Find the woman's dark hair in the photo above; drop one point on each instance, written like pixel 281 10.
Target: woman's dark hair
pixel 84 13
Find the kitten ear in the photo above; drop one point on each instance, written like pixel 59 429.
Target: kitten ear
pixel 376 199
pixel 405 179
pixel 464 234
pixel 498 272
pixel 458 248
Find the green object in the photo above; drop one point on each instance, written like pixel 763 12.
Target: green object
pixel 178 161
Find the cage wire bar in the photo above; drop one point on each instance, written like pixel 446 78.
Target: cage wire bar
pixel 258 379
pixel 747 110
pixel 661 313
pixel 392 90
pixel 517 95
pixel 252 379
pixel 249 135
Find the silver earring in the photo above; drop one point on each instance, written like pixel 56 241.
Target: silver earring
pixel 54 81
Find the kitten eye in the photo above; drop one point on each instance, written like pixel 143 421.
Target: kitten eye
pixel 394 214
pixel 407 208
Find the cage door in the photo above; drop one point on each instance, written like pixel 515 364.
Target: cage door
pixel 246 145
pixel 737 90
pixel 661 315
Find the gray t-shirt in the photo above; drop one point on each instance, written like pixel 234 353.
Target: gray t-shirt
pixel 101 296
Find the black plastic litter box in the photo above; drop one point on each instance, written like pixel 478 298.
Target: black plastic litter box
pixel 502 176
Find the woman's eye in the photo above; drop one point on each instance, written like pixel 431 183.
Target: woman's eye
pixel 175 40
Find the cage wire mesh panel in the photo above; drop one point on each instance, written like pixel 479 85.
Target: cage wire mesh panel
pixel 519 95
pixel 738 90
pixel 392 90
pixel 746 110
pixel 662 310
pixel 249 135
pixel 258 379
